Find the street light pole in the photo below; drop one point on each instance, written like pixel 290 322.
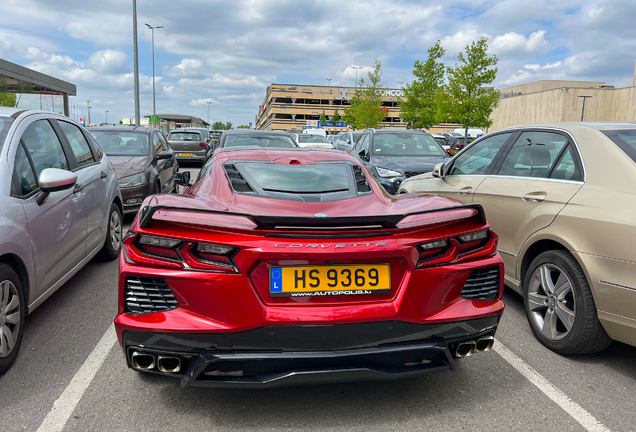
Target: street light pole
pixel 356 68
pixel 88 111
pixel 583 110
pixel 400 83
pixel 329 81
pixel 209 103
pixel 106 116
pixel 136 65
pixel 154 109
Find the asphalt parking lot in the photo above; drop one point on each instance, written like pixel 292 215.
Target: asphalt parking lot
pixel 71 375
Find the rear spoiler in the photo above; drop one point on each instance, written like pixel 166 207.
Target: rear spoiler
pixel 291 222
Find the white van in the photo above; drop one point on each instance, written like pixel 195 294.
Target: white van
pixel 321 132
pixel 472 133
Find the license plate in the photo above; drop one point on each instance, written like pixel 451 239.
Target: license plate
pixel 308 281
pixel 185 155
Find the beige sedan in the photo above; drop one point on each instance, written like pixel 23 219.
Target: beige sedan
pixel 561 197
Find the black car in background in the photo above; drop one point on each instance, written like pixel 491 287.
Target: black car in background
pixel 395 155
pixel 142 159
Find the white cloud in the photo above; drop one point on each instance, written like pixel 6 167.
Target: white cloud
pixel 203 102
pixel 109 62
pixel 518 45
pixel 187 68
pixel 457 42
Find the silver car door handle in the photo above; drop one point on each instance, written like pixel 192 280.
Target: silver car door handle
pixel 103 175
pixel 465 191
pixel 534 197
pixel 78 188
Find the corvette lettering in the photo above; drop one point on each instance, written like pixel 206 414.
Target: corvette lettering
pixel 326 246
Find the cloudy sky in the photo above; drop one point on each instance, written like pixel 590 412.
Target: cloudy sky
pixel 228 52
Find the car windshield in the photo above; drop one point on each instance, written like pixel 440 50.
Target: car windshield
pixel 5 122
pixel 312 139
pixel 261 140
pixel 625 139
pixel 122 143
pixel 184 136
pixel 216 134
pixel 356 135
pixel 302 179
pixel 406 144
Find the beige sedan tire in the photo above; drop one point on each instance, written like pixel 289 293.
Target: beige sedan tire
pixel 560 306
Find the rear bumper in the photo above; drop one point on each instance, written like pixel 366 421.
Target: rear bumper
pixel 280 355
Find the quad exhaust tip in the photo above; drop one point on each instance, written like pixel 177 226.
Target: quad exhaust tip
pixel 168 364
pixel 465 349
pixel 484 344
pixel 469 348
pixel 142 361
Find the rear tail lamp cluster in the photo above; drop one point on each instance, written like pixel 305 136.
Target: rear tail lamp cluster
pixel 464 247
pixel 175 253
pixel 203 145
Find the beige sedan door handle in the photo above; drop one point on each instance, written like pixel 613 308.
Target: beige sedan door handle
pixel 465 191
pixel 534 197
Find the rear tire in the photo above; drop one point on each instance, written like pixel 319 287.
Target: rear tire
pixel 12 312
pixel 560 307
pixel 114 231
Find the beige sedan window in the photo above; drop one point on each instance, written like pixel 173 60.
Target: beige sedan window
pixel 533 154
pixel 477 159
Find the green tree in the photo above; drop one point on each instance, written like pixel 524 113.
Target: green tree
pixel 7 99
pixel 468 98
pixel 335 118
pixel 218 125
pixel 420 107
pixel 323 119
pixel 365 108
pixel 243 127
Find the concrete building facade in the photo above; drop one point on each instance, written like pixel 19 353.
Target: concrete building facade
pixel 562 101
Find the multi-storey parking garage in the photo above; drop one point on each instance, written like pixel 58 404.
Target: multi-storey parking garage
pixel 289 106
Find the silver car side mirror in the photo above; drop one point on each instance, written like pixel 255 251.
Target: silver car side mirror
pixel 53 180
pixel 440 170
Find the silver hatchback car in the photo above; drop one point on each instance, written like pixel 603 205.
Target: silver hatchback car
pixel 60 206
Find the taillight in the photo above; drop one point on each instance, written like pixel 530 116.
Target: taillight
pixel 184 254
pixel 203 145
pixel 464 247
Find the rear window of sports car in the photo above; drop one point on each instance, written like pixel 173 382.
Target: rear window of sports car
pixel 625 139
pixel 301 179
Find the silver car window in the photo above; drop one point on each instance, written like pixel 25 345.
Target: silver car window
pixel 79 145
pixel 44 147
pixel 23 173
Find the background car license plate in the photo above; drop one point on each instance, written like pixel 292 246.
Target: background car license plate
pixel 307 281
pixel 184 155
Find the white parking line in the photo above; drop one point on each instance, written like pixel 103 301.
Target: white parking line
pixel 585 419
pixel 68 400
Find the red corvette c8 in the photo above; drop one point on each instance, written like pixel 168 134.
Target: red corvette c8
pixel 281 266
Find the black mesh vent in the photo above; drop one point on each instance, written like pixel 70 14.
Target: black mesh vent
pixel 482 284
pixel 146 295
pixel 413 173
pixel 239 184
pixel 362 185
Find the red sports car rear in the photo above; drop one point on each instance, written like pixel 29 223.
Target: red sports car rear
pixel 283 266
